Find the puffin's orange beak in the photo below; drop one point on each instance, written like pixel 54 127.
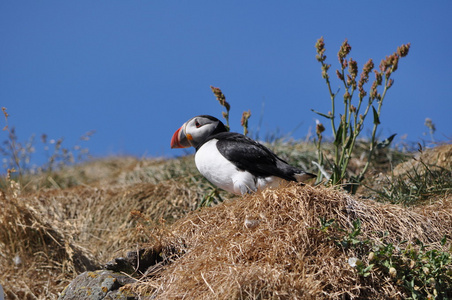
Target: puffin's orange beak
pixel 180 139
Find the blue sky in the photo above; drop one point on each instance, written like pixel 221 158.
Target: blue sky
pixel 134 71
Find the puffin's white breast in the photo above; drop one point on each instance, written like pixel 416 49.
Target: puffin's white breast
pixel 224 174
pixel 215 167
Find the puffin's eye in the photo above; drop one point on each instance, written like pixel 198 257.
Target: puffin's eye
pixel 197 124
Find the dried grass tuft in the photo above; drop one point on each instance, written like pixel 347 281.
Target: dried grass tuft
pixel 268 246
pixel 262 246
pixel 50 236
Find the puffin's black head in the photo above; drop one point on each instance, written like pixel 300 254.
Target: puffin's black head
pixel 193 132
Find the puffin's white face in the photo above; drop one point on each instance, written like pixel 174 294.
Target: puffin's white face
pixel 194 131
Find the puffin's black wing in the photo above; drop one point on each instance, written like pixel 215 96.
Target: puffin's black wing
pixel 248 155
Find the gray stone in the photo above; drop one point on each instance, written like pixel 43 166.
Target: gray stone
pixel 98 285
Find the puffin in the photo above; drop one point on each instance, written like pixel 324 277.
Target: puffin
pixel 233 161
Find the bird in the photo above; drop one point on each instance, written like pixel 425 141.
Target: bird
pixel 233 161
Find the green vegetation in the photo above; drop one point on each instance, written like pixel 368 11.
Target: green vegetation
pixel 351 122
pixel 423 273
pixel 417 186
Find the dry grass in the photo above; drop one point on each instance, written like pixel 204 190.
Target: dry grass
pixel 267 246
pixel 436 158
pixel 58 233
pixel 264 246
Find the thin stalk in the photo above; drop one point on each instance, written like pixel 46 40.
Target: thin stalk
pixel 356 132
pixel 374 131
pixel 332 96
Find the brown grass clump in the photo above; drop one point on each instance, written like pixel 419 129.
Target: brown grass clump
pixel 436 158
pixel 32 244
pixel 50 236
pixel 269 245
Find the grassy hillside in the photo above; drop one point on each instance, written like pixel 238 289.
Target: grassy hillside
pixel 390 241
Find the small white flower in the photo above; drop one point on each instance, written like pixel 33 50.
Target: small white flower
pixel 352 262
pixel 17 260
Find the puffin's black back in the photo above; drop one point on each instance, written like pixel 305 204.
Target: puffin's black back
pixel 248 155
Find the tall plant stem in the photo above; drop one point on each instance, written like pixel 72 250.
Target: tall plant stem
pixel 332 97
pixel 374 132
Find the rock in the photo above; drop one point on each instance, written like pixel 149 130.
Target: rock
pixel 106 284
pixel 97 285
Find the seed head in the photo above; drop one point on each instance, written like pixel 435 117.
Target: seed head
pixel 6 118
pixel 390 83
pixel 349 80
pixel 368 66
pixel 347 96
pixel 385 64
pixel 353 68
pixel 364 78
pixel 378 77
pixel 320 47
pixel 388 73
pixel 395 61
pixel 319 128
pixel 373 90
pixel 220 97
pixel 244 121
pixel 362 92
pixel 389 64
pixel 344 64
pixel 5 112
pixel 245 116
pixel 343 52
pixel 325 71
pixel 403 50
